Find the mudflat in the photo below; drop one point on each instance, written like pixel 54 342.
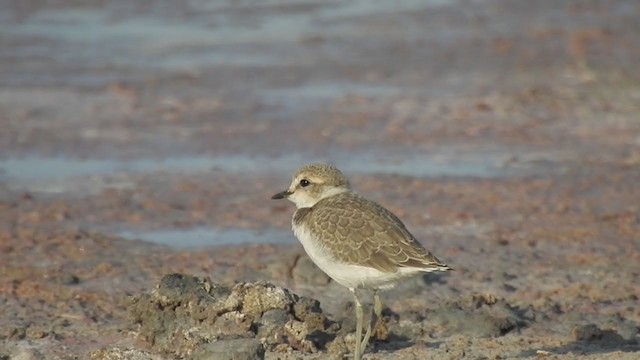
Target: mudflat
pixel 140 144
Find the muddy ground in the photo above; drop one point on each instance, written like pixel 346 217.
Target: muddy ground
pixel 506 134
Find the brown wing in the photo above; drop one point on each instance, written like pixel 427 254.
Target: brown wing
pixel 358 231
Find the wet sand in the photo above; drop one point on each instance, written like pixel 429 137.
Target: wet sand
pixel 506 135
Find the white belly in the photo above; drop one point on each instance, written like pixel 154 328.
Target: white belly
pixel 348 275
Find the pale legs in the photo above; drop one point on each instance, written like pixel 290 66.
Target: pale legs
pixel 357 355
pixel 376 315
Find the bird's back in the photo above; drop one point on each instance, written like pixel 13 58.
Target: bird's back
pixel 358 231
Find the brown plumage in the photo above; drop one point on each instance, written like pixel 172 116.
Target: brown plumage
pixel 360 232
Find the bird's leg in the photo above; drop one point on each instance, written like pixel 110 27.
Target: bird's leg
pixel 377 306
pixel 359 313
pixel 376 315
pixel 367 334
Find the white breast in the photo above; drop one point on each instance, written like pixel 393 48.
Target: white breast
pixel 348 275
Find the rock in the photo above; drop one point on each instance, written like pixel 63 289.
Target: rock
pixel 184 313
pixel 588 332
pixel 236 349
pixel 67 279
pixel 308 310
pixel 258 298
pixel 591 333
pixel 178 289
pixel 122 354
pixel 480 315
pixel 36 332
pixel 341 346
pixel 270 326
pixel 297 334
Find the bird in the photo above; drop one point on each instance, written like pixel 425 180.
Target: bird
pixel 355 241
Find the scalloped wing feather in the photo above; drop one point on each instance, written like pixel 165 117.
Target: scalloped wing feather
pixel 361 232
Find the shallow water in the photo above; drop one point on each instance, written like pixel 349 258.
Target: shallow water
pixel 33 169
pixel 203 236
pixel 122 38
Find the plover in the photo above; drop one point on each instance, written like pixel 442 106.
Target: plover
pixel 355 241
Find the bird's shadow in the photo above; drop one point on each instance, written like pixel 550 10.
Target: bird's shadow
pixel 434 278
pixel 392 343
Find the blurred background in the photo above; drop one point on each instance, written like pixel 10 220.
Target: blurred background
pixel 135 98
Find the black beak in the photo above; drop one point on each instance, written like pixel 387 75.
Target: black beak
pixel 281 195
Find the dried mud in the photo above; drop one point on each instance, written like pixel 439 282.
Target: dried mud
pixel 505 134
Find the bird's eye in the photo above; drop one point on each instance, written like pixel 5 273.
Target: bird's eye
pixel 305 183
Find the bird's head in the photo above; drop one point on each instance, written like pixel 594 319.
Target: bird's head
pixel 312 183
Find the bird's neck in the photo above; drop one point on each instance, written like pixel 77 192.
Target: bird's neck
pixel 308 202
pixel 334 191
pixel 325 195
